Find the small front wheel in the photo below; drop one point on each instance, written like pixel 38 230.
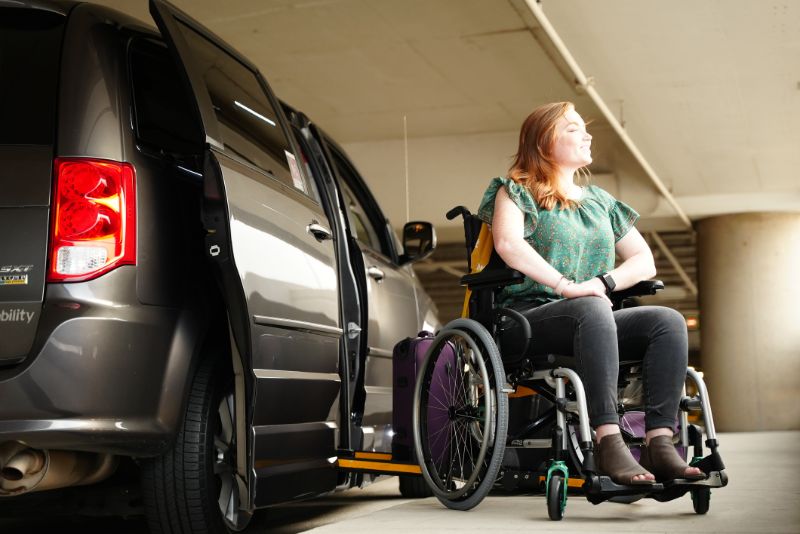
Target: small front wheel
pixel 556 498
pixel 701 500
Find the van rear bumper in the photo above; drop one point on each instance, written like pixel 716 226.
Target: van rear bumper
pixel 110 374
pixel 126 437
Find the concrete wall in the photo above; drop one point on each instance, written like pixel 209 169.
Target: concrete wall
pixel 749 282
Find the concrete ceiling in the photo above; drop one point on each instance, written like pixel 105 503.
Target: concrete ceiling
pixel 708 91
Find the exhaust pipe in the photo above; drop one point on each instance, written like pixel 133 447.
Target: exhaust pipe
pixel 24 469
pixel 26 462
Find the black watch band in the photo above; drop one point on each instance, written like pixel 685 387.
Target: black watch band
pixel 608 281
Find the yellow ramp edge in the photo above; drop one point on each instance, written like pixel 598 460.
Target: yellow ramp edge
pixel 384 467
pixel 364 455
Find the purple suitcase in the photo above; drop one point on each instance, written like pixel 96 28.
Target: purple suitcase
pixel 632 423
pixel 407 359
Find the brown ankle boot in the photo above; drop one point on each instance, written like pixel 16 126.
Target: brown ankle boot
pixel 614 459
pixel 660 458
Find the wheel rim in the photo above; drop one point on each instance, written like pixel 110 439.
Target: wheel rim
pixel 455 415
pixel 228 500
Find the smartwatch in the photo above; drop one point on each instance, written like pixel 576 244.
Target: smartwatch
pixel 608 282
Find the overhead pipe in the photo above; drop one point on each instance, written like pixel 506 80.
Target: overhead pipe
pixel 586 84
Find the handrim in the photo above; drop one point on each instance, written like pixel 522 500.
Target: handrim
pixel 470 395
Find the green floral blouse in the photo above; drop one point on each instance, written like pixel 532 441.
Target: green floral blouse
pixel 578 242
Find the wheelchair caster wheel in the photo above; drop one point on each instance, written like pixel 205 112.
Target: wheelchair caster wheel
pixel 556 497
pixel 701 500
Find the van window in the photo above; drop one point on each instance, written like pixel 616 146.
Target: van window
pixel 250 128
pixel 163 115
pixel 30 51
pixel 365 233
pixel 366 222
pixel 311 186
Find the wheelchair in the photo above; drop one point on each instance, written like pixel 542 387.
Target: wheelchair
pixel 467 440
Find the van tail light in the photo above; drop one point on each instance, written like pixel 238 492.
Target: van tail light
pixel 93 219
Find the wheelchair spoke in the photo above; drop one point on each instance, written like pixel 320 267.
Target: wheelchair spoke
pixel 436 438
pixel 459 456
pixel 469 452
pixel 442 404
pixel 459 452
pixel 444 389
pixel 457 378
pixel 449 478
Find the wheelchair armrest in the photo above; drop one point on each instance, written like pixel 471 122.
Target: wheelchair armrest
pixel 492 278
pixel 645 287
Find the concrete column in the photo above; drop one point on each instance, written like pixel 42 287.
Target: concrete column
pixel 749 290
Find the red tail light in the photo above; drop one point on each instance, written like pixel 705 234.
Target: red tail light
pixel 93 219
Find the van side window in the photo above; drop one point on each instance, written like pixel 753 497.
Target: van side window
pixel 250 128
pixel 163 115
pixel 311 185
pixel 367 225
pixel 364 231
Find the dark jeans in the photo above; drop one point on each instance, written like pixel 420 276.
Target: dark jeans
pixel 586 328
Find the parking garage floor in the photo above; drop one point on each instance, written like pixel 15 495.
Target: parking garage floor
pixel 763 496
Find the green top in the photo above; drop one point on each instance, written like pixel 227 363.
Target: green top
pixel 579 242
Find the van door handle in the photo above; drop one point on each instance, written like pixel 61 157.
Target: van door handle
pixel 319 232
pixel 375 273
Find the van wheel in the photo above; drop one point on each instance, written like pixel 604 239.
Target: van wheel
pixel 193 487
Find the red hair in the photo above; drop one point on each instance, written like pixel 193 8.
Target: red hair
pixel 533 165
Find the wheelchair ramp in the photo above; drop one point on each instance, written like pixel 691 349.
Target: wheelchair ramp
pixel 378 463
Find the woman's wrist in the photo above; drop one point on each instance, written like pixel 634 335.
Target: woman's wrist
pixel 561 285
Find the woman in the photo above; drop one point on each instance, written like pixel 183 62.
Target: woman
pixel 563 238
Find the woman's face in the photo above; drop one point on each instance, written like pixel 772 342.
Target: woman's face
pixel 573 146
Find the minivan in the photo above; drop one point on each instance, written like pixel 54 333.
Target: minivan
pixel 194 277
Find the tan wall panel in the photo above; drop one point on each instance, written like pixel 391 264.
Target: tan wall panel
pixel 750 305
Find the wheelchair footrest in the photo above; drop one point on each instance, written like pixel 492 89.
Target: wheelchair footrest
pixel 602 488
pixel 715 479
pixel 678 488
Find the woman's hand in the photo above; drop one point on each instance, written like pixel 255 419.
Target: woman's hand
pixel 590 288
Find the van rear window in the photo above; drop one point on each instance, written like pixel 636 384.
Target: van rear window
pixel 30 53
pixel 163 114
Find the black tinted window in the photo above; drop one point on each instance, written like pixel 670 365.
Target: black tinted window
pixel 366 223
pixel 359 221
pixel 164 115
pixel 30 45
pixel 249 124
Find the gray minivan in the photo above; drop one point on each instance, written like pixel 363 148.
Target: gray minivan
pixel 192 273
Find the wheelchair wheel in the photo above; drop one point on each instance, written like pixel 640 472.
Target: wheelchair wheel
pixel 461 414
pixel 555 498
pixel 701 500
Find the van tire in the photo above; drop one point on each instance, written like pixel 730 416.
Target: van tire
pixel 179 488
